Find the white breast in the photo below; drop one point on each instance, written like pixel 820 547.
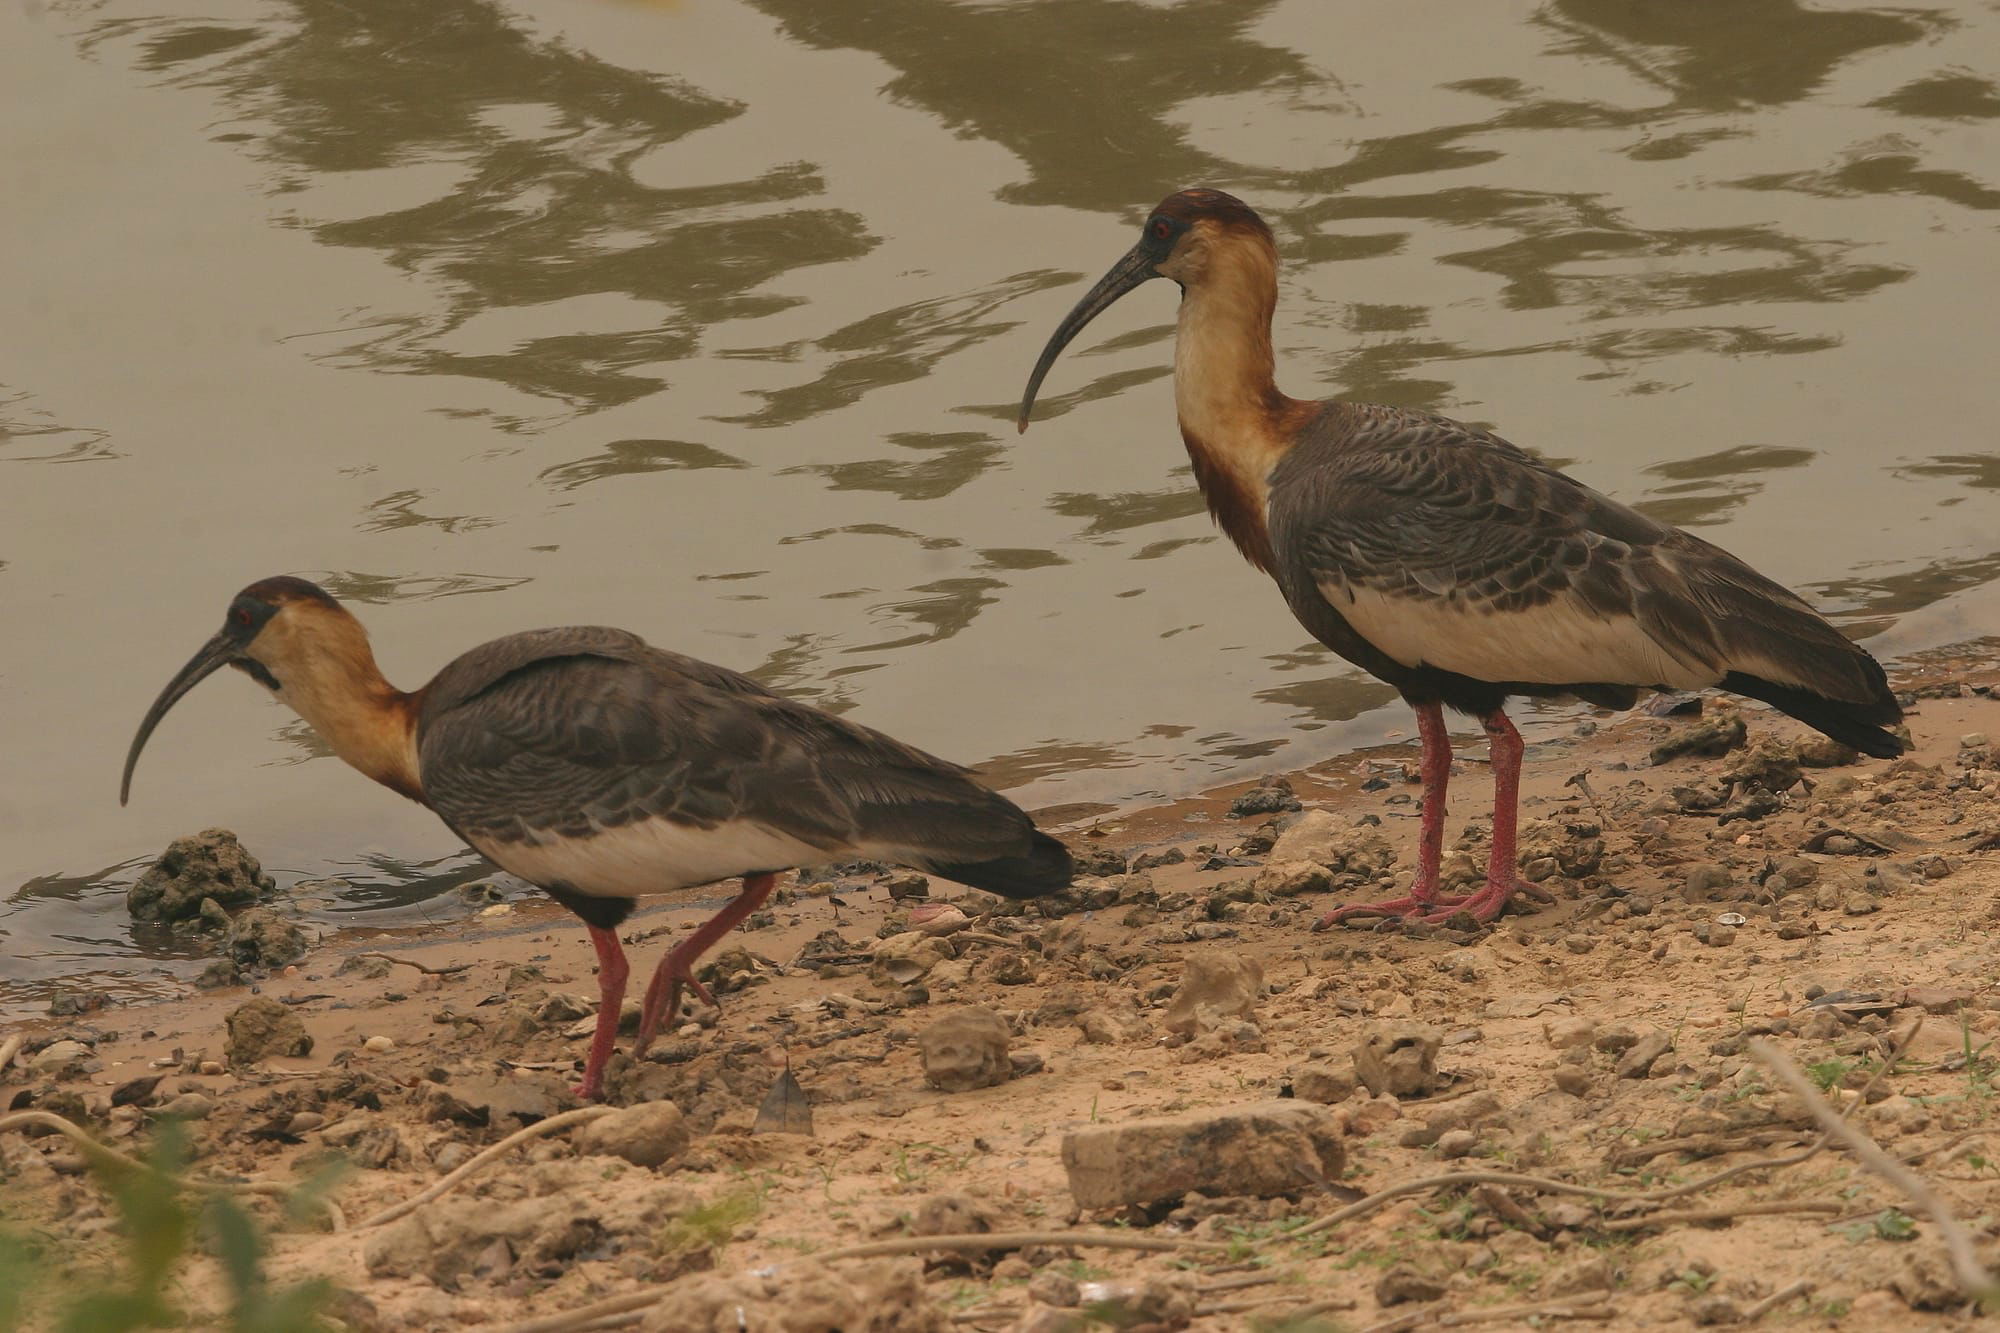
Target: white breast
pixel 1560 642
pixel 651 856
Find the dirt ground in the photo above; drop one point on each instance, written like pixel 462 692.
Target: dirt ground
pixel 1600 1040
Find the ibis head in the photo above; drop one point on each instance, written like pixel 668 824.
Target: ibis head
pixel 276 632
pixel 1180 240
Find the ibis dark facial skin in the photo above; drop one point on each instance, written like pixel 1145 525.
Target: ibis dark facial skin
pixel 1140 264
pixel 246 617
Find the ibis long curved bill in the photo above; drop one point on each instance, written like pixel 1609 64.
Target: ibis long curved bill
pixel 1133 270
pixel 217 653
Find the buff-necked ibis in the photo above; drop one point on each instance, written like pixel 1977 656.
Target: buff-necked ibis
pixel 602 769
pixel 1446 561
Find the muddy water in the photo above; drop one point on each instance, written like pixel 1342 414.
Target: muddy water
pixel 706 318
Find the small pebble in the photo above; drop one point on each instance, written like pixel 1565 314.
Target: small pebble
pixel 1456 1143
pixel 380 1043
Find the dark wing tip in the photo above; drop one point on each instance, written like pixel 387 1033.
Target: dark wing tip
pixel 1044 869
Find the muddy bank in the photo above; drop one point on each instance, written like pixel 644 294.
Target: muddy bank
pixel 1170 1050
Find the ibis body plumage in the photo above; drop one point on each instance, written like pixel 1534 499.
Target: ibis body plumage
pixel 602 769
pixel 1449 563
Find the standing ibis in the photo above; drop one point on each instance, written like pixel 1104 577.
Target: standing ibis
pixel 602 769
pixel 1448 562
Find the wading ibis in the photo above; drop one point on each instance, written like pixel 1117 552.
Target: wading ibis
pixel 602 769
pixel 1446 561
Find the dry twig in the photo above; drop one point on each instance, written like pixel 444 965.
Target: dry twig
pixel 424 968
pixel 1972 1277
pixel 1829 1207
pixel 540 1129
pixel 1776 1299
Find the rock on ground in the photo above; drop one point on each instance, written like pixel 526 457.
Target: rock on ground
pixel 458 1237
pixel 964 1050
pixel 1265 1148
pixel 260 938
pixel 1215 985
pixel 262 1028
pixel 1326 839
pixel 1398 1059
pixel 210 864
pixel 649 1134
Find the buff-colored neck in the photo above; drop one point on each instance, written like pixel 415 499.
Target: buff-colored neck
pixel 1231 412
pixel 327 674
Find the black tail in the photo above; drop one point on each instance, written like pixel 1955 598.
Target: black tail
pixel 1044 869
pixel 1859 725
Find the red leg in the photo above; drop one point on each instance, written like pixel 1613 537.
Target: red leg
pixel 1502 880
pixel 611 974
pixel 663 996
pixel 1435 768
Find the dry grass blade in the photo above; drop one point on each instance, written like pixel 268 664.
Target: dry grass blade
pixel 11 1048
pixel 540 1129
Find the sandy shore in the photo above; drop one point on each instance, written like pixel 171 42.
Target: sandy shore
pixel 1691 913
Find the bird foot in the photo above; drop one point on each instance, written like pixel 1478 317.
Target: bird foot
pixel 1434 909
pixel 1417 904
pixel 663 998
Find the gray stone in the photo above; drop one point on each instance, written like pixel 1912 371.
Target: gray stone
pixel 1454 1116
pixel 449 1239
pixel 1321 837
pixel 648 1134
pixel 59 1055
pixel 1290 879
pixel 261 1028
pixel 1323 1083
pixel 1111 1027
pixel 1262 1149
pixel 1637 1062
pixel 260 938
pixel 1215 985
pixel 211 864
pixel 964 1050
pixel 189 1106
pixel 1398 1059
pixel 1406 1283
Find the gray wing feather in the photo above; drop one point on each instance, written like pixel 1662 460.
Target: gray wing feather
pixel 1411 506
pixel 567 732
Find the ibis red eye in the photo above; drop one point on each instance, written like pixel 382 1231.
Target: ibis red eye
pixel 240 616
pixel 1161 229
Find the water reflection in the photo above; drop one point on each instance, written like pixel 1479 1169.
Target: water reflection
pixel 631 458
pixel 30 435
pixel 1720 54
pixel 1704 490
pixel 78 924
pixel 1111 70
pixel 952 459
pixel 1944 97
pixel 893 347
pixel 545 204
